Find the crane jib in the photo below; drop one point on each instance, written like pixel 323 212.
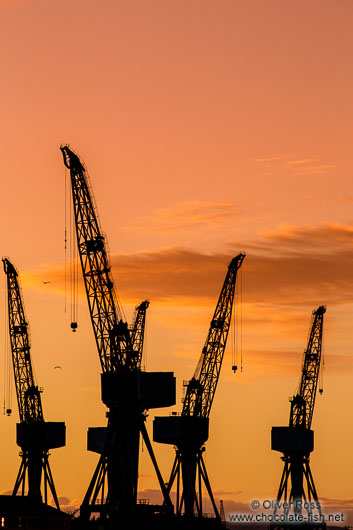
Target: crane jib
pixel 201 389
pixel 112 335
pixel 28 394
pixel 302 405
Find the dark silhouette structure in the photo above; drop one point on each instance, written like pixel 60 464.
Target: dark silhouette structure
pixel 189 431
pixel 127 391
pixel 34 435
pixel 297 492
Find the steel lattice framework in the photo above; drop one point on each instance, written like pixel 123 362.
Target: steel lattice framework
pixel 297 490
pixel 202 387
pixel 27 392
pixel 126 390
pixel 138 331
pixel 303 403
pixel 189 431
pixel 111 333
pixel 34 435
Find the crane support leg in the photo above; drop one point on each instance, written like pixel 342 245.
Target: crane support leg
pixel 37 469
pixel 298 480
pixel 167 502
pixel 208 485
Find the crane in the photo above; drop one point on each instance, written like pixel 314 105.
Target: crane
pixel 127 390
pixel 138 330
pixel 296 442
pixel 189 431
pixel 34 435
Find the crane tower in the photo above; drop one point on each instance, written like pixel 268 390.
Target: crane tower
pixel 297 492
pixel 34 435
pixel 127 390
pixel 189 431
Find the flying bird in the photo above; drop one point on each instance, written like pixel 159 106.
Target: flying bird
pixel 57 367
pixel 45 282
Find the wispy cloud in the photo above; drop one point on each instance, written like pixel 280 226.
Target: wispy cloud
pixel 291 265
pixel 301 162
pixel 286 274
pixel 325 238
pixel 304 166
pixel 320 168
pixel 185 214
pixel 268 159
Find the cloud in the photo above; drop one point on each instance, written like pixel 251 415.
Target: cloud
pixel 231 506
pixel 301 166
pixel 268 159
pixel 64 501
pixel 325 238
pixel 301 162
pixel 70 506
pixel 154 496
pixel 186 214
pixel 335 503
pixel 289 266
pixel 219 493
pixel 280 362
pixel 320 168
pixel 286 274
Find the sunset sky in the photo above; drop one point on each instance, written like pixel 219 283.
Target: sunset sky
pixel 209 128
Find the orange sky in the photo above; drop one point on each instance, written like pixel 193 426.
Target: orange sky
pixel 208 128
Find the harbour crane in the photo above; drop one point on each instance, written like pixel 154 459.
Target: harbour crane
pixel 34 435
pixel 138 330
pixel 296 442
pixel 127 390
pixel 189 431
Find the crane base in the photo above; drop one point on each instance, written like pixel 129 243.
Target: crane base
pixel 174 429
pixel 292 439
pixel 147 389
pixel 44 435
pixel 96 439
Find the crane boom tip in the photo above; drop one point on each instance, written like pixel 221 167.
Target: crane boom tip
pixel 70 158
pixel 8 267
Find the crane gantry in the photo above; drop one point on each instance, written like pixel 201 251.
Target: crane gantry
pixel 127 391
pixel 189 431
pixel 34 435
pixel 297 489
